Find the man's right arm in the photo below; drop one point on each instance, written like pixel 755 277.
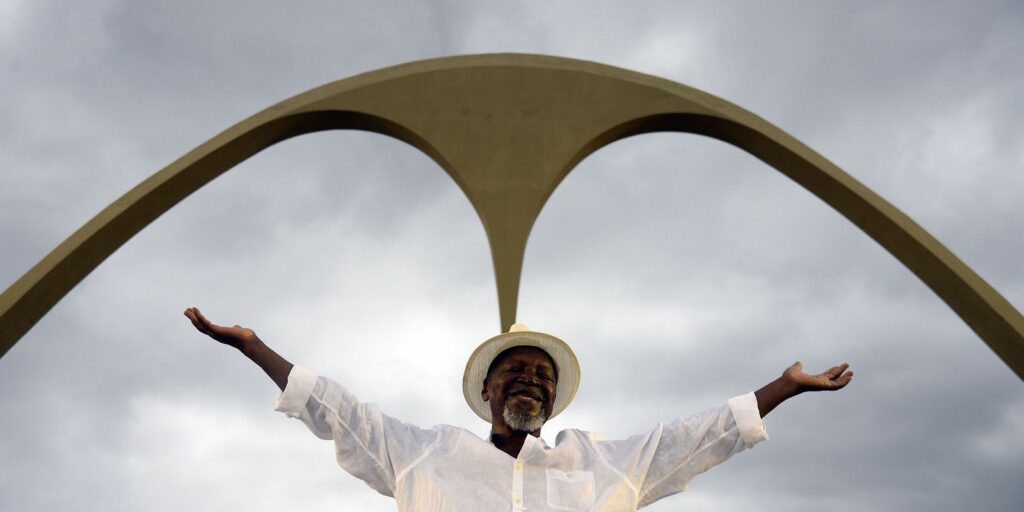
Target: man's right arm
pixel 368 444
pixel 246 341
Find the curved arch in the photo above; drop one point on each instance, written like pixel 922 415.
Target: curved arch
pixel 508 128
pixel 984 310
pixel 38 290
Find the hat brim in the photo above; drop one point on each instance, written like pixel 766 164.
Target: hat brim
pixel 566 364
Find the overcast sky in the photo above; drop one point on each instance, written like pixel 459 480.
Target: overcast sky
pixel 682 270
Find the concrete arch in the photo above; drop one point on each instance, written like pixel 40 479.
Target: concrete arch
pixel 508 128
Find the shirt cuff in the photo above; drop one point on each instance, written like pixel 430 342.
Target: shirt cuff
pixel 748 418
pixel 293 399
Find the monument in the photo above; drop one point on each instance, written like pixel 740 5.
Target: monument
pixel 508 128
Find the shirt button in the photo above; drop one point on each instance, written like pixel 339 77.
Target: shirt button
pixel 518 501
pixel 519 466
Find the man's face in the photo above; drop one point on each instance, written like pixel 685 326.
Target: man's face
pixel 523 380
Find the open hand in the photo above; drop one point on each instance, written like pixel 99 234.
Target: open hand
pixel 236 336
pixel 832 379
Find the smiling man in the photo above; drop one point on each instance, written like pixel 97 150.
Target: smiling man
pixel 517 381
pixel 522 383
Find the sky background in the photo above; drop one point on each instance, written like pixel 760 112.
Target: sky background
pixel 682 270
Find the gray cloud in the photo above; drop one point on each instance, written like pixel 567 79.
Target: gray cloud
pixel 682 270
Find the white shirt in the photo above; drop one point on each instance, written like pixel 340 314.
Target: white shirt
pixel 447 468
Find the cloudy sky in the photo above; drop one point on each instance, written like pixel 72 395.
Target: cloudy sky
pixel 681 269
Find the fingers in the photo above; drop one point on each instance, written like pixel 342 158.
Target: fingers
pixel 836 371
pixel 200 322
pixel 837 379
pixel 832 379
pixel 192 314
pixel 202 319
pixel 236 336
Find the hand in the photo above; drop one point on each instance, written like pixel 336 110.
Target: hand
pixel 832 379
pixel 236 336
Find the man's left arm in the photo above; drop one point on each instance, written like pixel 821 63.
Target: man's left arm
pixel 794 381
pixel 676 452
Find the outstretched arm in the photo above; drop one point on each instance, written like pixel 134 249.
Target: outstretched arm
pixel 794 381
pixel 246 341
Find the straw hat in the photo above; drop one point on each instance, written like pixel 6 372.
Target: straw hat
pixel 566 364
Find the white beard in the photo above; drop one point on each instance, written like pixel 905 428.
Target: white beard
pixel 522 422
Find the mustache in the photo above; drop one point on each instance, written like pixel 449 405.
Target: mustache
pixel 535 392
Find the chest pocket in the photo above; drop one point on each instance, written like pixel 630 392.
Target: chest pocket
pixel 570 491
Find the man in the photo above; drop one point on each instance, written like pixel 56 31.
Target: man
pixel 516 381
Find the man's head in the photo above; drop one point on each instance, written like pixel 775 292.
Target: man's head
pixel 520 388
pixel 514 369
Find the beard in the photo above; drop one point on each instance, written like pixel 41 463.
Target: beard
pixel 522 422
